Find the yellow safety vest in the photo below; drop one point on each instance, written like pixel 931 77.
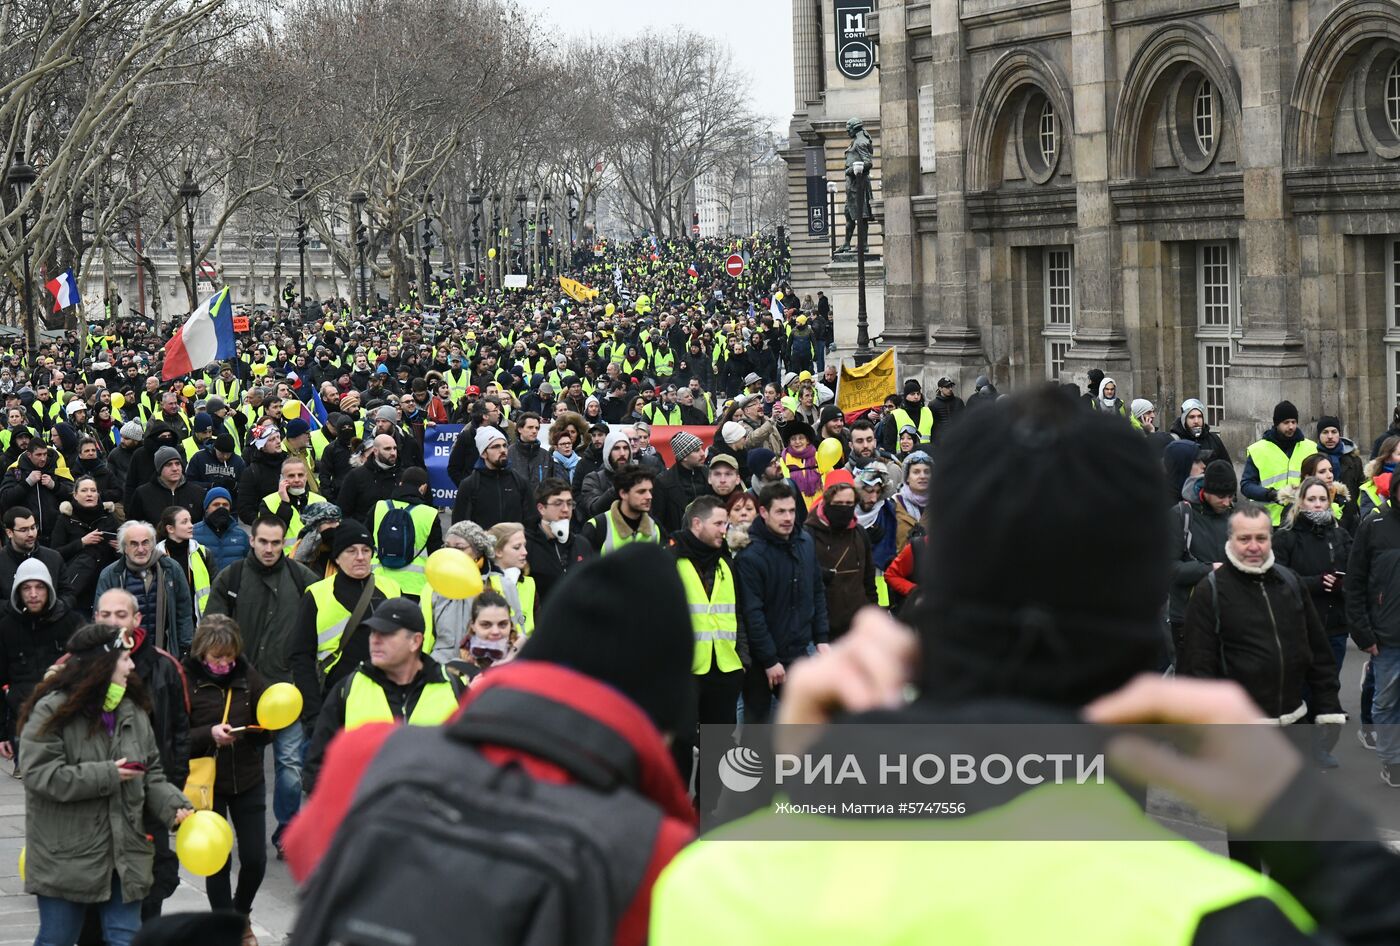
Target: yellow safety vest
pixel 1277 470
pixel 665 363
pixel 457 386
pixel 366 703
pixel 199 568
pixel 227 391
pixel 272 502
pixel 613 541
pixel 924 426
pixel 713 618
pixel 660 416
pixel 1369 490
pixel 411 578
pixel 331 618
pixel 525 591
pixel 1151 892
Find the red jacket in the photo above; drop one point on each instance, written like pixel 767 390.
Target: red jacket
pixel 309 836
pixel 900 575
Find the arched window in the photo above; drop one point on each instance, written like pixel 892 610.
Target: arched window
pixel 1392 97
pixel 1205 116
pixel 1049 134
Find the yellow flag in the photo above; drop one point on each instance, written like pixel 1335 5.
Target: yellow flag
pixel 577 290
pixel 868 385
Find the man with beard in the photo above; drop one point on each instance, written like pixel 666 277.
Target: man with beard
pixel 1192 426
pixel 40 483
pixel 373 480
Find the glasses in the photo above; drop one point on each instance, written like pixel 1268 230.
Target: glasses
pixel 560 504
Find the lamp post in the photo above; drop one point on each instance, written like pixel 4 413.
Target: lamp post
pixel 573 216
pixel 831 214
pixel 495 238
pixel 189 193
pixel 475 201
pixel 297 195
pixel 520 200
pixel 546 244
pixel 21 174
pixel 357 201
pixel 426 293
pixel 863 352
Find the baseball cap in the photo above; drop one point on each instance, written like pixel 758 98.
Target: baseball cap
pixel 946 383
pixel 394 614
pixel 725 459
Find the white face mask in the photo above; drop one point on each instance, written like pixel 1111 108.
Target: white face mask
pixel 514 573
pixel 296 490
pixel 560 528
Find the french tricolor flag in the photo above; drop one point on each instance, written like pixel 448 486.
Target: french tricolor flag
pixel 206 336
pixel 64 289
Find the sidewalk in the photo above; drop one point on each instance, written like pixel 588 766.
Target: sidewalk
pixel 273 913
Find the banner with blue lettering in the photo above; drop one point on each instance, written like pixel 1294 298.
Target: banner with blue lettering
pixel 437 447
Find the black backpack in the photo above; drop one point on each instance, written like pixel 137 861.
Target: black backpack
pixel 440 846
pixel 395 541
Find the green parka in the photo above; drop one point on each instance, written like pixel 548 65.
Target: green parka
pixel 81 822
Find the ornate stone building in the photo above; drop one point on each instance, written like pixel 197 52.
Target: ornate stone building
pixel 1200 197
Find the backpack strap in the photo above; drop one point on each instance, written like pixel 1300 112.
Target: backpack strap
pixel 593 753
pixel 1186 525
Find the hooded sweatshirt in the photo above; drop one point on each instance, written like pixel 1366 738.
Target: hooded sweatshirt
pixel 30 643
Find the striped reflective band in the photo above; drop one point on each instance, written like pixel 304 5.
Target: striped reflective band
pixel 325 638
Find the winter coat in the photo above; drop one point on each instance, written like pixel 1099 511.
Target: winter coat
pixel 155 497
pixel 108 491
pixel 30 643
pixel 489 496
pixel 945 410
pixel 549 560
pixel 596 491
pixel 206 469
pixel 1347 466
pixel 528 459
pixel 178 631
pixel 1208 440
pixel 260 478
pixel 11 560
pixel 41 500
pixel 81 822
pixel 848 570
pixel 264 602
pixel 239 767
pixel 1197 535
pixel 364 486
pixel 119 466
pixel 143 463
pixel 783 595
pixel 83 563
pixel 224 549
pixel 1312 551
pixel 1263 633
pixel 674 491
pixel 1373 580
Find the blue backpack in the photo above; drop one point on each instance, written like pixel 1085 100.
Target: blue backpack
pixel 395 539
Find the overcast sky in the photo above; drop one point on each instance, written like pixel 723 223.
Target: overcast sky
pixel 758 31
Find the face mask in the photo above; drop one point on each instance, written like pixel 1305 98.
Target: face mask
pixel 487 652
pixel 296 490
pixel 218 519
pixel 840 516
pixel 115 692
pixel 217 670
pixel 1318 517
pixel 560 529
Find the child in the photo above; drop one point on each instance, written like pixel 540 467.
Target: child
pixel 800 460
pixel 491 639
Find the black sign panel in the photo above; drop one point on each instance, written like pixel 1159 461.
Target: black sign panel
pixel 816 207
pixel 855 50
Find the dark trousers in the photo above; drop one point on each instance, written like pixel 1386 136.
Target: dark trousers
pixel 247 812
pixel 759 696
pixel 1368 694
pixel 717 701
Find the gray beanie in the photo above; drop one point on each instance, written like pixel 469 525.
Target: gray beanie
pixel 133 431
pixel 165 454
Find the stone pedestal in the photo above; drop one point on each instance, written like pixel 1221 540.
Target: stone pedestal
pixel 842 291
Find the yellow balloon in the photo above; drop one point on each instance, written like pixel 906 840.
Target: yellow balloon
pixel 292 409
pixel 21 863
pixel 778 295
pixel 259 370
pixel 453 574
pixel 188 390
pixel 828 455
pixel 279 706
pixel 609 309
pixel 118 401
pixel 329 327
pixel 202 844
pixel 491 253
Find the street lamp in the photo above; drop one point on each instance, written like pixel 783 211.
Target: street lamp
pixel 20 175
pixel 831 214
pixel 297 195
pixel 573 215
pixel 189 193
pixel 859 172
pixel 546 247
pixel 426 294
pixel 496 237
pixel 475 200
pixel 357 201
pixel 520 200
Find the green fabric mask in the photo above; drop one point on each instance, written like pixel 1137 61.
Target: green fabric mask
pixel 114 696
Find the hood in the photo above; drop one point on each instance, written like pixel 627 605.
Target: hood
pixel 1344 446
pixel 32 569
pixel 615 436
pixel 406 493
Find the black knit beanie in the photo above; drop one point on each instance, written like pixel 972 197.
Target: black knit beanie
pixel 1284 410
pixel 1327 420
pixel 1219 479
pixel 349 532
pixel 1050 564
pixel 623 619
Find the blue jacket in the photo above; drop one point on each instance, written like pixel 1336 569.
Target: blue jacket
pixel 224 549
pixel 782 595
pixel 178 632
pixel 882 551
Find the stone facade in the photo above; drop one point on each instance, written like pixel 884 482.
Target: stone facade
pixel 1200 197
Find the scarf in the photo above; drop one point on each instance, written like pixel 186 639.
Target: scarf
pixel 866 519
pixel 568 463
pixel 1250 569
pixel 704 557
pixel 1319 517
pixel 802 467
pixel 912 502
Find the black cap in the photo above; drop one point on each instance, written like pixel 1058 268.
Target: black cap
pixel 946 383
pixel 396 614
pixel 1219 479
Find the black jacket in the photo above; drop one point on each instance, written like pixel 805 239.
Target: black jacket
pixel 29 645
pixel 1197 537
pixel 10 561
pixel 945 411
pixel 549 560
pixel 170 707
pixel 675 490
pixel 83 563
pixel 1263 633
pixel 239 767
pixel 489 496
pixel 143 461
pixel 155 497
pixel 364 486
pixel 41 500
pixel 1373 580
pixel 1312 551
pixel 260 476
pixel 1208 439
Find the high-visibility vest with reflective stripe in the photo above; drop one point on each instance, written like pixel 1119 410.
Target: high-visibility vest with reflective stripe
pixel 331 617
pixel 366 703
pixel 713 618
pixel 661 415
pixel 525 591
pixel 272 502
pixel 457 385
pixel 227 391
pixel 665 362
pixel 612 541
pixel 902 419
pixel 1371 492
pixel 411 577
pixel 1153 888
pixel 199 568
pixel 1277 470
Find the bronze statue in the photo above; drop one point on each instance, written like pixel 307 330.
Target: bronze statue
pixel 860 158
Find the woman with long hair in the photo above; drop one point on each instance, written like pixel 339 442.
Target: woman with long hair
pixel 86 537
pixel 175 532
pixel 1375 491
pixel 511 575
pixel 92 772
